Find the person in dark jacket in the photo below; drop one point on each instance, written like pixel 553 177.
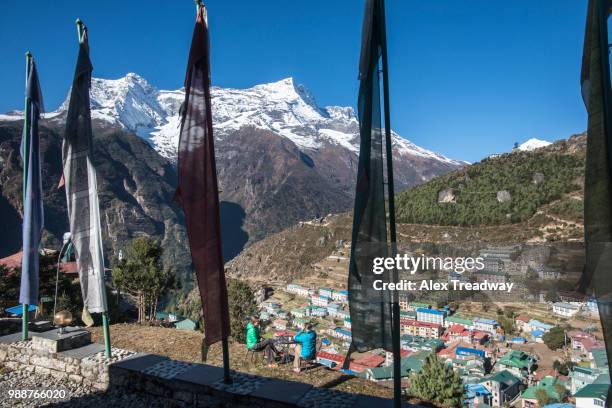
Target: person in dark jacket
pixel 306 346
pixel 256 343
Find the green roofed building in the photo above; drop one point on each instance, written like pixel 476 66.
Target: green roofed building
pixel 550 385
pixel 600 359
pixel 413 306
pixel 517 362
pixel 503 385
pixel 455 319
pixel 410 364
pixel 419 343
pixel 186 324
pixel 593 395
pixel 408 314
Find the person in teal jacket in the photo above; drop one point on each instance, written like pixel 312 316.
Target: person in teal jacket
pixel 256 343
pixel 306 346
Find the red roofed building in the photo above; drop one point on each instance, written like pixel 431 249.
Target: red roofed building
pixel 479 337
pixel 457 332
pixel 522 322
pixel 330 360
pixel 370 360
pixel 13 262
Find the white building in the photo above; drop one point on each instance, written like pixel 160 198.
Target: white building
pixel 486 325
pixel 318 300
pixel 430 316
pixel 565 309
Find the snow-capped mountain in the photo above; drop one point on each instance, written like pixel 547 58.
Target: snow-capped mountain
pixel 282 107
pixel 281 158
pixel 533 144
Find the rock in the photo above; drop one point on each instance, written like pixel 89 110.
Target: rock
pixel 503 196
pixel 538 178
pixel 447 196
pixel 321 241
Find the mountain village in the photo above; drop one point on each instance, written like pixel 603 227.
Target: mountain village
pixel 499 368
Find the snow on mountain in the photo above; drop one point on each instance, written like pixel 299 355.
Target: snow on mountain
pixel 283 107
pixel 533 144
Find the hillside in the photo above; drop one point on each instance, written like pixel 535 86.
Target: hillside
pixel 506 189
pixel 136 187
pixel 555 215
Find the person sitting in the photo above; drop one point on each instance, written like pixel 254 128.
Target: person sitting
pixel 306 346
pixel 256 343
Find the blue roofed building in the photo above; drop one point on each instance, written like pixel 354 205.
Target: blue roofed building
pixel 486 325
pixel 476 395
pixel 430 316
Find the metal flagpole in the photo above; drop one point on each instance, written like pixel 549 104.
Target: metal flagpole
pixel 105 327
pixel 397 373
pixel 26 125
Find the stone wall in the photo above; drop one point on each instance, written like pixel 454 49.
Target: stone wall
pixel 180 384
pixel 89 368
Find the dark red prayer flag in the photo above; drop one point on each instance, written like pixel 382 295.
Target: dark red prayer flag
pixel 197 189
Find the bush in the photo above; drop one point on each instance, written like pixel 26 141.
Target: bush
pixel 241 299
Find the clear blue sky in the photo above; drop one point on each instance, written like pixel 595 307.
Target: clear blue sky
pixel 468 78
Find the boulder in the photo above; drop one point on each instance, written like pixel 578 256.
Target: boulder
pixel 447 196
pixel 538 178
pixel 503 196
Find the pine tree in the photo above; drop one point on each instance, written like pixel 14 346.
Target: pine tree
pixel 438 382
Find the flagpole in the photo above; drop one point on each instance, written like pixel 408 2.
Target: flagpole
pixel 105 324
pixel 395 325
pixel 224 342
pixel 26 125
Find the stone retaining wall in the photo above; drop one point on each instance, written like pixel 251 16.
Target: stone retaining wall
pixel 90 370
pixel 181 384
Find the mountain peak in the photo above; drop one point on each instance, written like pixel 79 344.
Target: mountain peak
pixel 533 144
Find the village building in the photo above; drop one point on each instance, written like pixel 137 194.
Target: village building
pixel 457 333
pixel 318 311
pixel 326 292
pixel 341 333
pixel 504 387
pixel 330 360
pixel 581 376
pixel 487 325
pixel 458 320
pixel 522 322
pixel 477 395
pixel 413 306
pixel 535 325
pixel 517 362
pixel 347 322
pixel 592 396
pixel 549 385
pixel 423 329
pixel 340 295
pixel 409 364
pixel 333 309
pixel 280 324
pixel 343 314
pixel 299 312
pixel 186 324
pixel 389 356
pixel 430 316
pixel 318 300
pixel 490 276
pixel 418 343
pixel 565 309
pixel 598 358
